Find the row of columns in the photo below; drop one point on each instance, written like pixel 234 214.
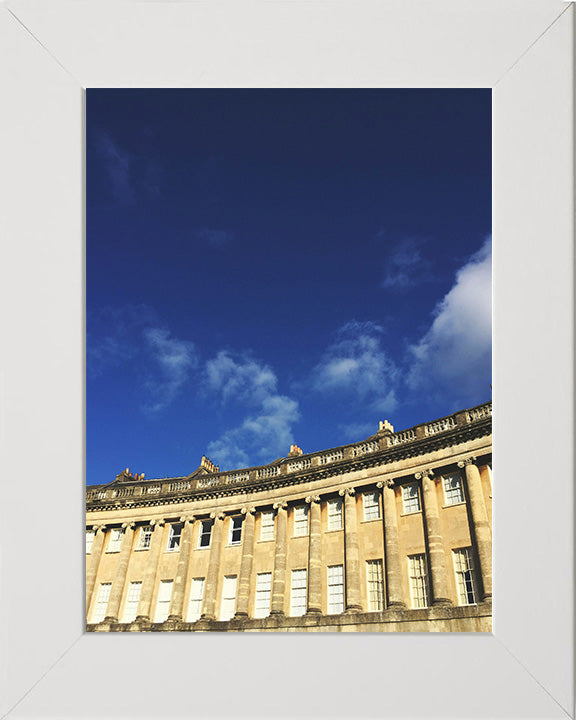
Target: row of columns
pixel 392 559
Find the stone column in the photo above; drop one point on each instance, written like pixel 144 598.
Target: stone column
pixel 119 581
pixel 351 551
pixel 315 557
pixel 179 587
pixel 439 579
pixel 242 602
pixel 279 579
pixel 480 522
pixel 145 602
pixel 209 606
pixel 391 546
pixel 93 561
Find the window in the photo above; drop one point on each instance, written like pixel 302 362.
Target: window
pixel 163 602
pixel 298 593
pixel 196 596
pixel 263 591
pixel 371 505
pixel 465 580
pixel 334 515
pixel 410 498
pixel 335 589
pixel 235 530
pixel 205 532
pixel 300 520
pixel 228 597
pixel 375 586
pixel 131 606
pixel 174 537
pixel 418 580
pixel 453 490
pixel 267 526
pixel 115 540
pixel 144 538
pixel 99 612
pixel 89 541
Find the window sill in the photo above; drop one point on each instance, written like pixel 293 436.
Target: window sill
pixel 203 547
pixel 454 504
pixel 334 530
pixel 265 541
pixel 414 512
pixel 141 549
pixel 234 544
pixel 111 552
pixel 300 536
pixel 371 520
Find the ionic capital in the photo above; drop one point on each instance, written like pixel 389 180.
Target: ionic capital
pixel 281 505
pixel 95 528
pixel 385 483
pixel 347 491
pixel 424 473
pixel 250 510
pixel 187 519
pixel 130 525
pixel 467 461
pixel 217 515
pixel 312 499
pixel 159 523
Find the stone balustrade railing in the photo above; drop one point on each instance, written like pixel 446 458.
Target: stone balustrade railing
pixel 154 488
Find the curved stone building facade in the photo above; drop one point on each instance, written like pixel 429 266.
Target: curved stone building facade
pixel 390 534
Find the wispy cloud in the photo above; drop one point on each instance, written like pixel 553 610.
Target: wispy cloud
pixel 214 238
pixel 118 164
pixel 134 334
pixel 356 363
pixel 131 175
pixel 405 265
pixel 266 431
pixel 175 359
pixel 454 355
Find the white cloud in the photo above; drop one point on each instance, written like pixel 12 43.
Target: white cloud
pixel 357 364
pixel 455 353
pixel 176 358
pixel 244 378
pixel 266 432
pixel 405 266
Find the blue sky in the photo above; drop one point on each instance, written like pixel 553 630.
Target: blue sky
pixel 267 267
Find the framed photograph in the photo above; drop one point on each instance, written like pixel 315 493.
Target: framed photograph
pixel 53 52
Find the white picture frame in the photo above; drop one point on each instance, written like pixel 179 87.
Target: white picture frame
pixel 51 51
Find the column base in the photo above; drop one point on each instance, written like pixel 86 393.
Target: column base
pixel 442 602
pixel 277 613
pixel 313 611
pixel 109 619
pixel 241 615
pixel 396 605
pixel 353 609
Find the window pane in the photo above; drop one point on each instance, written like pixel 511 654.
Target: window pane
pixel 132 599
pixel 300 521
pixel 196 596
pixel 465 580
pixel 174 537
pixel 267 526
pixel 335 589
pixel 418 575
pixel 334 514
pixel 410 498
pixel 205 532
pixel 375 585
pixel 371 506
pixel 228 597
pixel 453 490
pixel 298 593
pixel 99 612
pixel 263 592
pixel 163 604
pixel 89 540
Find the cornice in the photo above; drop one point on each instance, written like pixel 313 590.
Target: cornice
pixel 387 456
